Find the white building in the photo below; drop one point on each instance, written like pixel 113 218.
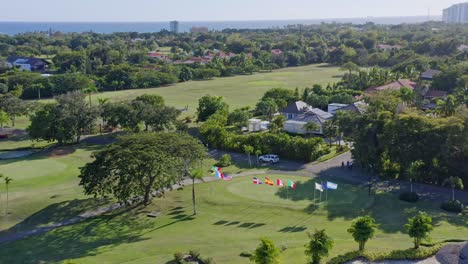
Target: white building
pixel 456 14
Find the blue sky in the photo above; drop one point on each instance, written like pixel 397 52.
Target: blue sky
pixel 206 10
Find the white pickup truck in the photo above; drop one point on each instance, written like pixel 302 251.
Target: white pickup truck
pixel 269 158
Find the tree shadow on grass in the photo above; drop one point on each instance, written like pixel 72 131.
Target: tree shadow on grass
pixel 352 200
pixel 249 225
pixel 79 240
pixel 57 212
pixel 293 229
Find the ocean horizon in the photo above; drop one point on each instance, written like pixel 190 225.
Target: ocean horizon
pixel 14 27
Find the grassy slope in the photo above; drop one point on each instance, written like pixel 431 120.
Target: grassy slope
pixel 232 217
pixel 46 188
pixel 239 91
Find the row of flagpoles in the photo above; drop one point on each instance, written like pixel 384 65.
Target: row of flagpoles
pixel 279 182
pixel 322 187
pixel 325 186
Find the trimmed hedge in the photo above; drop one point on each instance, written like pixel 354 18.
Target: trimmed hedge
pixel 452 206
pixel 410 197
pixel 408 254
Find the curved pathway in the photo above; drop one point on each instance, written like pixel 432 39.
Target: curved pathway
pixel 331 168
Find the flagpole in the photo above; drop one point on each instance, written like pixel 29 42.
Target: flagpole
pixel 287 190
pixel 314 194
pixel 326 194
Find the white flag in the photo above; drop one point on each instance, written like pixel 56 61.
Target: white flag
pixel 319 187
pixel 332 186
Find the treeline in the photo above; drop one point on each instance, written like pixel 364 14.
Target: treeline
pixel 71 116
pixel 395 140
pixel 119 61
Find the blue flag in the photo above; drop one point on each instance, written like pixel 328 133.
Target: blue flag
pixel 331 186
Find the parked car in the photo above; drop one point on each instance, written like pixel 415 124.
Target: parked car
pixel 269 158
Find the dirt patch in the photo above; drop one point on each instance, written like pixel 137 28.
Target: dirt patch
pixel 60 152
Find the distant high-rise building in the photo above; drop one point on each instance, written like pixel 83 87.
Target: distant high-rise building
pixel 174 26
pixel 456 14
pixel 199 30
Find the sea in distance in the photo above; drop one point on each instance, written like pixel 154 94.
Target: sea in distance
pixel 13 28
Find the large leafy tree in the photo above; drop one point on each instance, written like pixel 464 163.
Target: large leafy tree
pixel 64 121
pixel 319 245
pixel 268 108
pixel 266 253
pixel 140 164
pixel 418 227
pixel 208 105
pixel 362 230
pixel 13 107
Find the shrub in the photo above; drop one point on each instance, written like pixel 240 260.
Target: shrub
pixel 178 257
pixel 246 254
pixel 195 254
pixel 410 197
pixel 410 254
pixel 224 161
pixel 453 206
pixel 347 257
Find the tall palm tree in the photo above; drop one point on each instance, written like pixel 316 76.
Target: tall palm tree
pixel 89 91
pixel 7 182
pixel 196 174
pixel 258 153
pixel 249 150
pixel 453 182
pixel 1 176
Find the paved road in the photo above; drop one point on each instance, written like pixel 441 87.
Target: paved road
pixel 331 168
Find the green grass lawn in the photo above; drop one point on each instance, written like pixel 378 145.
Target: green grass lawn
pixel 232 217
pixel 239 91
pixel 49 185
pixel 38 182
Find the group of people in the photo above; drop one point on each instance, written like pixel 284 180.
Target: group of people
pixel 349 164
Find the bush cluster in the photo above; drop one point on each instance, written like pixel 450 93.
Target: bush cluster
pixel 224 161
pixel 408 254
pixel 192 257
pixel 453 206
pixel 410 197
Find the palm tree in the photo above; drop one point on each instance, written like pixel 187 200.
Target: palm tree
pixel 38 87
pixel 454 182
pixel 249 150
pixel 89 91
pixel 310 126
pixel 258 153
pixel 1 176
pixel 7 182
pixel 447 107
pixel 196 174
